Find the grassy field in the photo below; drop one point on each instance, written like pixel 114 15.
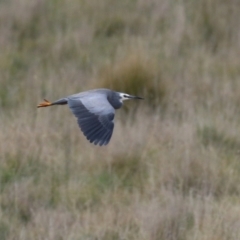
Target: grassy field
pixel 172 168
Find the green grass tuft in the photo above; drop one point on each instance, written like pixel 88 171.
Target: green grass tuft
pixel 4 230
pixel 210 136
pixel 110 27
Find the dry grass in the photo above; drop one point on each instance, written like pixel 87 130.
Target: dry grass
pixel 172 173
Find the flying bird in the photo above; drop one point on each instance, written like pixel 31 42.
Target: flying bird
pixel 95 111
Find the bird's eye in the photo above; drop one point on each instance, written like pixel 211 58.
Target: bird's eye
pixel 126 96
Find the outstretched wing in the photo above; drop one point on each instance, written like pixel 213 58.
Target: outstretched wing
pixel 95 117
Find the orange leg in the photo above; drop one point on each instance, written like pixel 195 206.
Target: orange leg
pixel 46 103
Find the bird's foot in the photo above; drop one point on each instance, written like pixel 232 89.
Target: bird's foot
pixel 46 103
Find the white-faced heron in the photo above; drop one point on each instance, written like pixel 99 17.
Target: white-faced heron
pixel 94 111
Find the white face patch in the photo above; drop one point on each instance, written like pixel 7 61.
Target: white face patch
pixel 124 96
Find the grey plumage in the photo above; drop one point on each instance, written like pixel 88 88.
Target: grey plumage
pixel 95 111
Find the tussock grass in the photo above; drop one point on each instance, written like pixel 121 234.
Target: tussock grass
pixel 136 74
pixel 171 170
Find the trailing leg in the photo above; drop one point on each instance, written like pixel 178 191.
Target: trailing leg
pixel 46 103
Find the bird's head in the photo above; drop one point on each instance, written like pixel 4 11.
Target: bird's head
pixel 125 96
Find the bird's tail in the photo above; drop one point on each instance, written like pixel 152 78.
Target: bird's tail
pixel 46 103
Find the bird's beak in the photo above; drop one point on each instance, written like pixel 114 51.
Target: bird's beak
pixel 135 97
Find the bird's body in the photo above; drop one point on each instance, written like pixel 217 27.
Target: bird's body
pixel 95 110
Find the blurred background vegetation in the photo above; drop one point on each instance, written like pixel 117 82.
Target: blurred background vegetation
pixel 172 168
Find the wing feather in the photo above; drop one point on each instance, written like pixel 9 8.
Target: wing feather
pixel 95 117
